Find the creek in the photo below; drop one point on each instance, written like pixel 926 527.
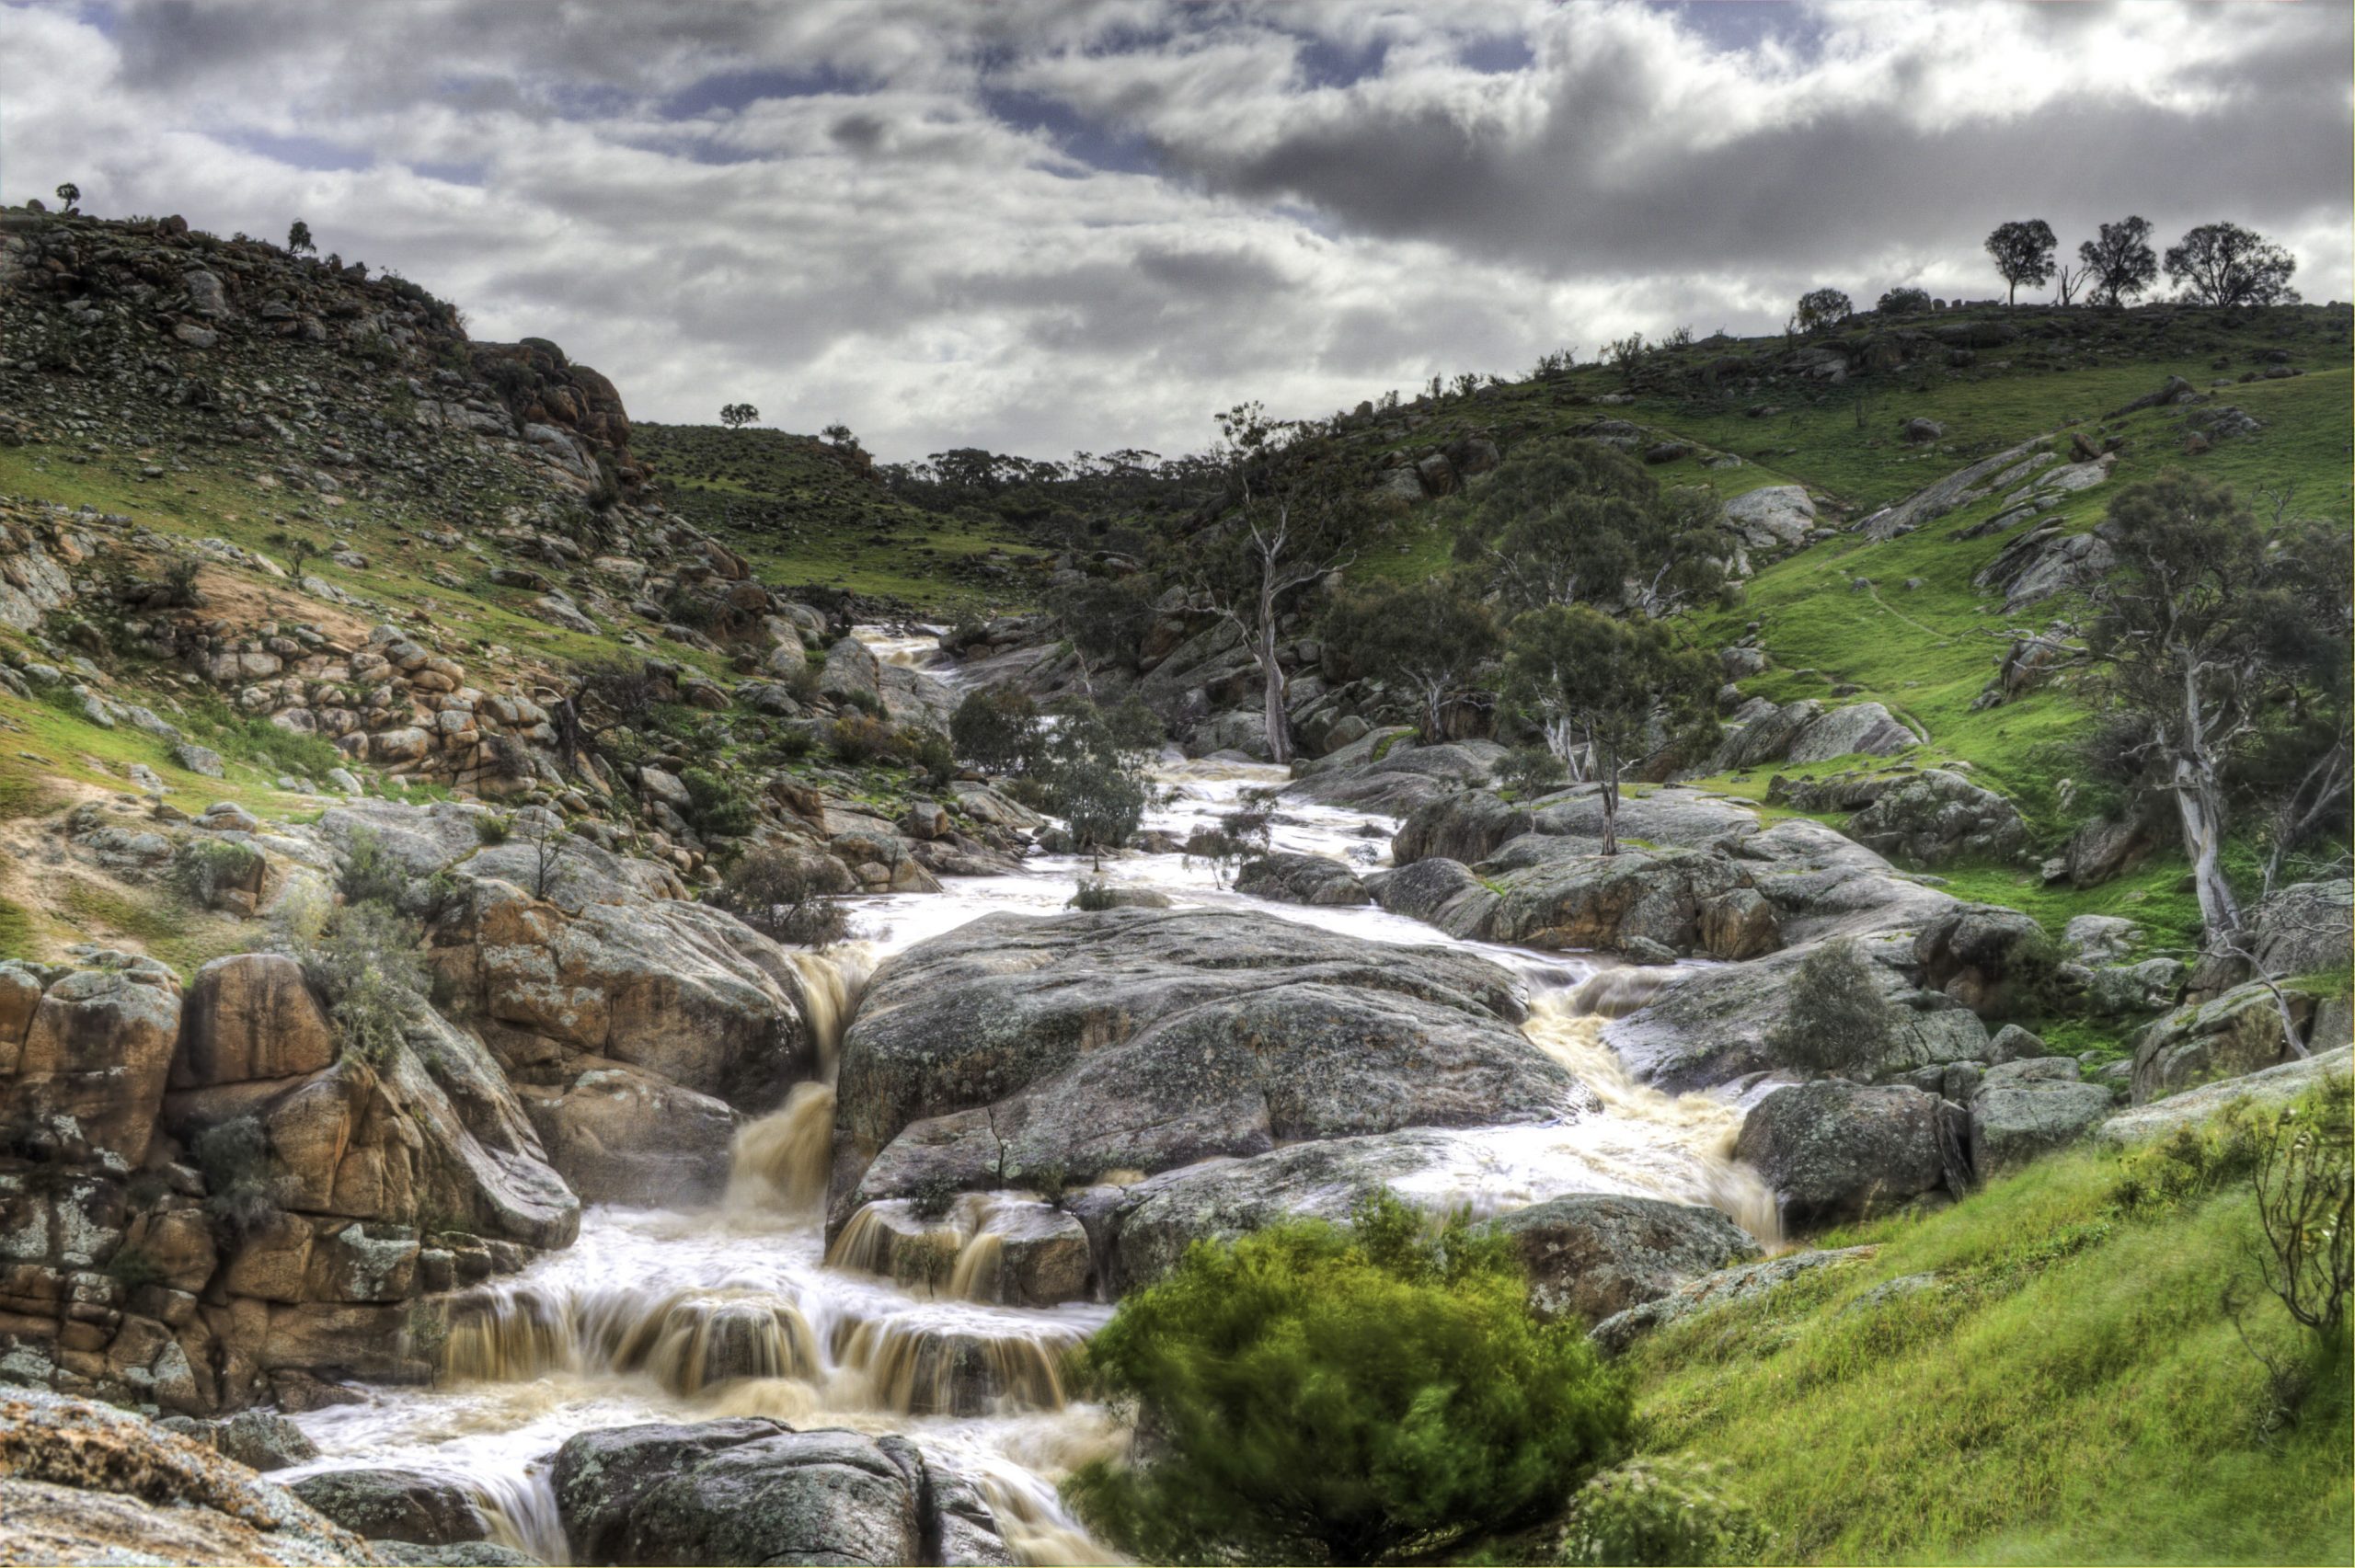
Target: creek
pixel 737 1309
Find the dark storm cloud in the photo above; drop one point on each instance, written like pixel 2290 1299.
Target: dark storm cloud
pixel 1049 224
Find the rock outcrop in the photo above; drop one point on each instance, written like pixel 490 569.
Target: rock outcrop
pixel 84 1482
pixel 1590 1256
pixel 757 1491
pixel 1142 1040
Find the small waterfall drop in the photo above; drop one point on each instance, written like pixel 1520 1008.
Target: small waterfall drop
pixel 782 1161
pixel 1700 1128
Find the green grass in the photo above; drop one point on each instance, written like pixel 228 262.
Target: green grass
pixel 2072 1392
pixel 16 930
pixel 806 517
pixel 160 924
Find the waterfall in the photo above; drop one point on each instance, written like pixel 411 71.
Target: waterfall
pixel 783 1159
pixel 1685 1140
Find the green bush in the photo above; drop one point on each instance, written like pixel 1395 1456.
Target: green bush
pixel 240 1179
pixel 1093 894
pixel 203 869
pixel 133 1266
pixel 1531 771
pixel 716 804
pixel 1835 1018
pixel 1315 1394
pixel 998 730
pixel 930 750
pixel 371 874
pixel 1102 801
pixel 1662 1510
pixel 491 830
pixel 863 702
pixel 363 963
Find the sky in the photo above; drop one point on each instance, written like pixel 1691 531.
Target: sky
pixel 1048 226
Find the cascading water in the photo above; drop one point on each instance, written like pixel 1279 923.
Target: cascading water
pixel 740 1309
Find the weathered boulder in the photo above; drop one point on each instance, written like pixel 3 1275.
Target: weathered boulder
pixel 2271 1085
pixel 2102 849
pixel 1935 817
pixel 2022 1109
pixel 1012 1049
pixel 2303 929
pixel 1835 1151
pixel 398 1505
pixel 1300 879
pixel 1772 517
pixel 2240 1032
pixel 1467 825
pixel 96 1047
pixel 619 1135
pixel 753 1491
pixel 1403 776
pixel 1439 892
pixel 84 1482
pixel 1552 895
pixel 682 990
pixel 264 1441
pixel 250 1015
pixel 1988 958
pixel 1742 1282
pixel 1860 728
pixel 1592 1254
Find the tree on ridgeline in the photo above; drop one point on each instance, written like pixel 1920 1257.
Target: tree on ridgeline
pixel 1903 301
pixel 299 241
pixel 1608 693
pixel 2224 263
pixel 2023 253
pixel 2118 261
pixel 736 416
pixel 1821 310
pixel 67 195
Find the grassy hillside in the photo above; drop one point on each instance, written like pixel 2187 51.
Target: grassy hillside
pixel 2046 1373
pixel 810 514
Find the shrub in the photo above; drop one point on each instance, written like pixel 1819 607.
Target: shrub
pixel 997 729
pixel 686 607
pixel 1662 1510
pixel 179 583
pixel 1905 301
pixel 857 739
pixel 1531 771
pixel 203 869
pixel 133 1266
pixel 370 875
pixel 716 804
pixel 1820 309
pixel 1836 1019
pixel 359 947
pixel 492 829
pixel 1322 1395
pixel 791 744
pixel 1093 894
pixel 930 750
pixel 785 895
pixel 240 1180
pixel 2306 1205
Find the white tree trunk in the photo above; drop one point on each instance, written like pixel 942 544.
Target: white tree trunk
pixel 1278 728
pixel 2199 806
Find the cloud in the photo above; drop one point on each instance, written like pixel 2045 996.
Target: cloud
pixel 1047 224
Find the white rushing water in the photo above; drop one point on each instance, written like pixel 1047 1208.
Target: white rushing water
pixel 656 1315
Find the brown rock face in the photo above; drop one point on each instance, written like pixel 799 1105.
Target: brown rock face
pixel 249 1016
pixel 97 1050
